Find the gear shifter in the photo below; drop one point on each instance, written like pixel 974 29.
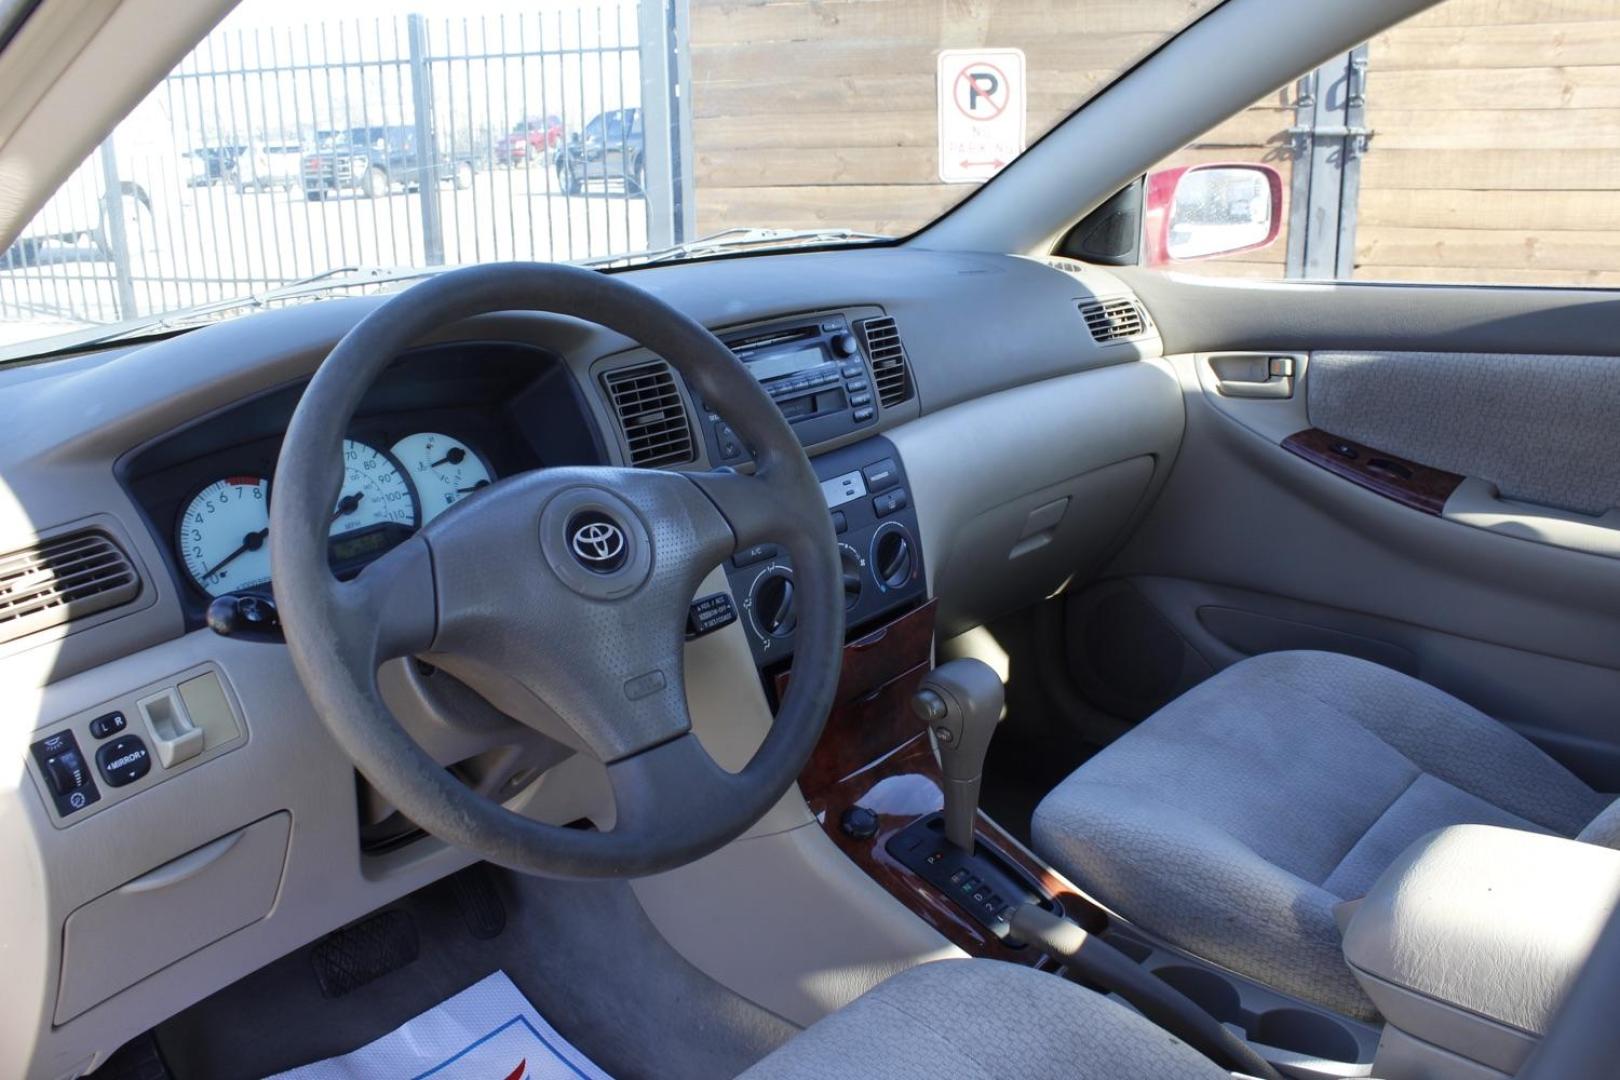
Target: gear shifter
pixel 961 703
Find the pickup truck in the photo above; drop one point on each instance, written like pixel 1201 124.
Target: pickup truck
pixel 375 160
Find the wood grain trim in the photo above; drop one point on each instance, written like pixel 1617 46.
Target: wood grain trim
pixel 875 753
pixel 1407 482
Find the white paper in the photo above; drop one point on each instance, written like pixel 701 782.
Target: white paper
pixel 489 1031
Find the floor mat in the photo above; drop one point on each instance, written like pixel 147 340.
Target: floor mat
pixel 489 1031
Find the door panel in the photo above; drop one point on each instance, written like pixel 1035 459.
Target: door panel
pixel 1254 547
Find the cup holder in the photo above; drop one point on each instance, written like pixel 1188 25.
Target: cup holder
pixel 1305 1033
pixel 1207 990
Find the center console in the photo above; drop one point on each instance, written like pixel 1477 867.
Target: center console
pixel 876 526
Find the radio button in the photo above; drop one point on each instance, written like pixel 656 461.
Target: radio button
pixel 891 503
pixel 856 385
pixel 854 370
pixel 862 398
pixel 881 475
pixel 863 415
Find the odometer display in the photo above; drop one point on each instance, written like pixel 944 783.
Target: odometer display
pixel 222 535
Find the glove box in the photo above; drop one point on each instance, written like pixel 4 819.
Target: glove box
pixel 168 913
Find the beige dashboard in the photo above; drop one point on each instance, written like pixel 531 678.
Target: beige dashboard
pixel 241 840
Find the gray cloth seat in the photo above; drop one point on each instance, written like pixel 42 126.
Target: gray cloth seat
pixel 984 1020
pixel 1234 820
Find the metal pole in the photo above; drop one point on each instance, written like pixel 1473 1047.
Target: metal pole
pixel 117 240
pixel 427 150
pixel 666 100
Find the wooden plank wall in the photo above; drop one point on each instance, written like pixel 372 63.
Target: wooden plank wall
pixel 1495 158
pixel 811 113
pixel 1496 153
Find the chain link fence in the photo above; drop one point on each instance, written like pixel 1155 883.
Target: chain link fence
pixel 273 155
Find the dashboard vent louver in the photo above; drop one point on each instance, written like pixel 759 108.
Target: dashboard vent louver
pixel 890 370
pixel 62 579
pixel 651 413
pixel 1114 320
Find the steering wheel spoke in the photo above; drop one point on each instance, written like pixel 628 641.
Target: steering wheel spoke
pixel 391 609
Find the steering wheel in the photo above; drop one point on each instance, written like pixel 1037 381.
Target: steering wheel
pixel 575 582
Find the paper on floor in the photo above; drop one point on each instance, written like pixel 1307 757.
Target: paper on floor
pixel 489 1031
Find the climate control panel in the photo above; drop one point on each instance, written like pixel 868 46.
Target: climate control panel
pixel 878 549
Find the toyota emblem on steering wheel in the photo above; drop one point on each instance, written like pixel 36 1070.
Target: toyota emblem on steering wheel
pixel 598 542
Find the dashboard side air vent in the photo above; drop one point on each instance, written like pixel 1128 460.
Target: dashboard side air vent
pixel 890 369
pixel 1114 320
pixel 651 413
pixel 62 579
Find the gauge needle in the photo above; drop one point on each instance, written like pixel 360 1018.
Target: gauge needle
pixel 253 541
pixel 455 457
pixel 476 487
pixel 348 504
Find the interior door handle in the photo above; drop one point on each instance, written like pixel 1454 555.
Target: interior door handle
pixel 1253 375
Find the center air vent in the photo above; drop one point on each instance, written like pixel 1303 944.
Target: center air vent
pixel 62 579
pixel 890 370
pixel 651 413
pixel 1114 320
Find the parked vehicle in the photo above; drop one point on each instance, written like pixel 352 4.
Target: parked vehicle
pixel 612 148
pixel 375 160
pixel 529 141
pixel 269 165
pixel 213 164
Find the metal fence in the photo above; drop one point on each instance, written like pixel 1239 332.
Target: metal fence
pixel 272 155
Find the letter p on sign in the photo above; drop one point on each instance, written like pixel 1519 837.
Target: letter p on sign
pixel 981 112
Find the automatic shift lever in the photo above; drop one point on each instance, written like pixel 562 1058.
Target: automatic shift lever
pixel 961 702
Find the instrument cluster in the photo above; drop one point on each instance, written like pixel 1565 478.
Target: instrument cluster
pixel 223 532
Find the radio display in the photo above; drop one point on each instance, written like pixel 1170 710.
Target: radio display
pixel 773 367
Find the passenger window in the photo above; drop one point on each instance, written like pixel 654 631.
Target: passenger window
pixel 1475 143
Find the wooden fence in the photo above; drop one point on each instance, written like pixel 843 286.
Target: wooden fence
pixel 1495 155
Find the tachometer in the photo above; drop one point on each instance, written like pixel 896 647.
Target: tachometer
pixel 375 492
pixel 445 470
pixel 222 535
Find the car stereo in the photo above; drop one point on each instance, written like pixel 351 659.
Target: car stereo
pixel 815 372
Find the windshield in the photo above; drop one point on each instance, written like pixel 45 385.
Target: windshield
pixel 346 141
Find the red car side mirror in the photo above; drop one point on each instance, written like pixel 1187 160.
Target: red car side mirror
pixel 1200 211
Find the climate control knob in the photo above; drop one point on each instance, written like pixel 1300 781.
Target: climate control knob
pixel 894 556
pixel 771 603
pixel 854 581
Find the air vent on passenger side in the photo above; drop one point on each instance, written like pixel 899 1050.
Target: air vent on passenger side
pixel 62 579
pixel 1114 320
pixel 890 370
pixel 651 412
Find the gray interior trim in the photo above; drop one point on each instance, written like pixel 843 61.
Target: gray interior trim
pixel 1206 314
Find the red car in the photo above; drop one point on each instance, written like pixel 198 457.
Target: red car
pixel 529 140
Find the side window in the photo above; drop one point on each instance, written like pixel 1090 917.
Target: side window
pixel 1478 142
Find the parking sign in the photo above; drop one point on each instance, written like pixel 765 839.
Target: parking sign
pixel 981 112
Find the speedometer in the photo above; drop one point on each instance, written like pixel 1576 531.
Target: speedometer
pixel 374 493
pixel 222 535
pixel 445 470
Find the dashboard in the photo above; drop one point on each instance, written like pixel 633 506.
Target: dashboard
pixel 977 444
